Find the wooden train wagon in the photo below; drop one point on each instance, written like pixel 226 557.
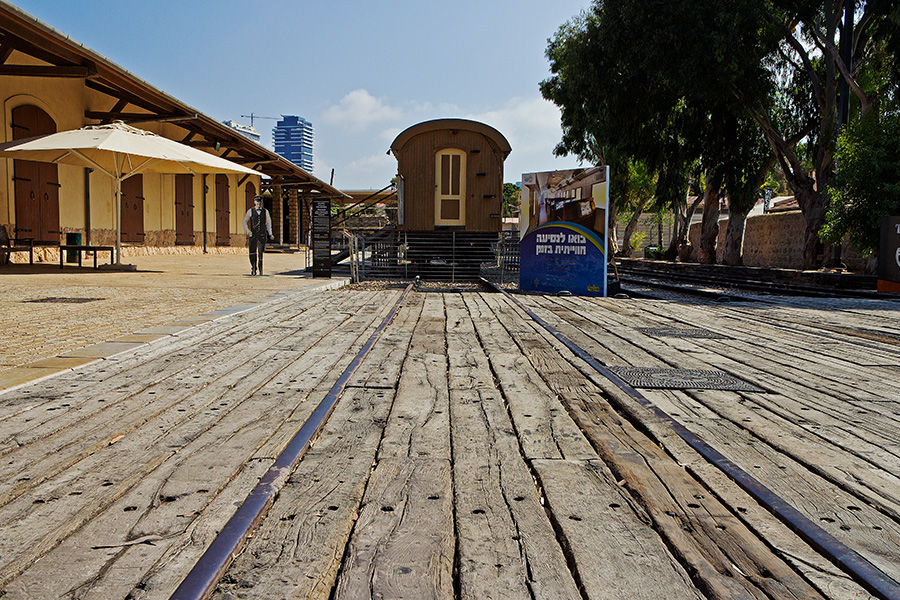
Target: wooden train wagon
pixel 450 176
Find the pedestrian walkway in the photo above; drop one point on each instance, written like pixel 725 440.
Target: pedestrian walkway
pixel 50 316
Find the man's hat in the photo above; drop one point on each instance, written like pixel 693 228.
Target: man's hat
pixel 259 198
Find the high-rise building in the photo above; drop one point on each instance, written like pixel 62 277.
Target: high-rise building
pixel 246 130
pixel 293 137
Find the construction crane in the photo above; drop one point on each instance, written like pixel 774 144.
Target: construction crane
pixel 252 116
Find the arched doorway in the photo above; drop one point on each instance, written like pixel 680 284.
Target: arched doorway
pixel 36 183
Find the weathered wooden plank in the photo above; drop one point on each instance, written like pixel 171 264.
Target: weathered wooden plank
pixel 298 548
pixel 420 420
pixel 419 425
pixel 544 428
pixel 866 434
pixel 858 525
pixel 700 353
pixel 730 559
pixel 469 369
pixel 429 337
pixel 507 547
pixel 609 537
pixel 203 386
pixel 803 559
pixel 856 465
pixel 403 542
pixel 73 568
pixel 125 376
pixel 106 475
pixel 795 551
pixel 720 550
pixel 381 368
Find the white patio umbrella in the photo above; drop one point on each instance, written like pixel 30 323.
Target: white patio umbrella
pixel 120 151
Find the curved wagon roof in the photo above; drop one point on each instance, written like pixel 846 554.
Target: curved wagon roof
pixel 495 137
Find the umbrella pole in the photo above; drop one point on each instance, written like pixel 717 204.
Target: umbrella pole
pixel 118 221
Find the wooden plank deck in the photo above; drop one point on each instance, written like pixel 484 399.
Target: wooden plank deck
pixel 471 455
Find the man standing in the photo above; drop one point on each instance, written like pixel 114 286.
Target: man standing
pixel 258 226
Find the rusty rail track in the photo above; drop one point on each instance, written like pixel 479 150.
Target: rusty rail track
pixel 733 281
pixel 200 582
pixel 845 558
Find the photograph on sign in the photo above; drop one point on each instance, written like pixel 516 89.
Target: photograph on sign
pixel 889 255
pixel 564 223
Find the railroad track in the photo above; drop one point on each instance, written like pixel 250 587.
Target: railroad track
pixel 203 578
pixel 715 281
pixel 533 373
pixel 839 554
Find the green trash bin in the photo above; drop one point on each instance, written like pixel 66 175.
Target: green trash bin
pixel 72 239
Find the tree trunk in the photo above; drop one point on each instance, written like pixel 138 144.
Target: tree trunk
pixel 709 230
pixel 612 238
pixel 627 250
pixel 734 239
pixel 813 204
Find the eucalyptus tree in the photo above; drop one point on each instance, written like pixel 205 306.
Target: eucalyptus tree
pixel 867 185
pixel 649 83
pixel 628 72
pixel 807 66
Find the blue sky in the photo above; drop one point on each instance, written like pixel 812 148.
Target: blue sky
pixel 362 71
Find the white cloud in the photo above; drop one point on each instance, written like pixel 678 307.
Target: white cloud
pixel 532 126
pixel 380 164
pixel 359 109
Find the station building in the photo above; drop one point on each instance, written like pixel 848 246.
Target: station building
pixel 50 83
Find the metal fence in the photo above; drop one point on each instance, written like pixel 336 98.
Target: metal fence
pixel 438 255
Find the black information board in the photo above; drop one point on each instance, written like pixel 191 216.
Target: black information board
pixel 889 250
pixel 321 237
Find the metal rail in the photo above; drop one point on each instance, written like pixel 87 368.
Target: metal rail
pixel 845 558
pixel 202 579
pixel 668 280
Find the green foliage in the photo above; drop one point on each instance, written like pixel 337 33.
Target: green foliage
pixel 637 239
pixel 512 196
pixel 659 99
pixel 867 186
pixel 641 184
pixel 685 84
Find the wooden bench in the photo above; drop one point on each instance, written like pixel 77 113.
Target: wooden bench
pixel 18 245
pixel 80 249
pixel 7 250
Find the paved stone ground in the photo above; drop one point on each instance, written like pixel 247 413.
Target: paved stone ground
pixel 91 306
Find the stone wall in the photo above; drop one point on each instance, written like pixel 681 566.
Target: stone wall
pixel 772 240
pixel 694 241
pixel 156 243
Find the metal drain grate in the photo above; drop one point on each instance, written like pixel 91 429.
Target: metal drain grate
pixel 682 379
pixel 57 300
pixel 675 332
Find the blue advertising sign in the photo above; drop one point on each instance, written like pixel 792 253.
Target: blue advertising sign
pixel 564 219
pixel 563 256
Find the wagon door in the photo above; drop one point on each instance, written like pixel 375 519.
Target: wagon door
pixel 450 188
